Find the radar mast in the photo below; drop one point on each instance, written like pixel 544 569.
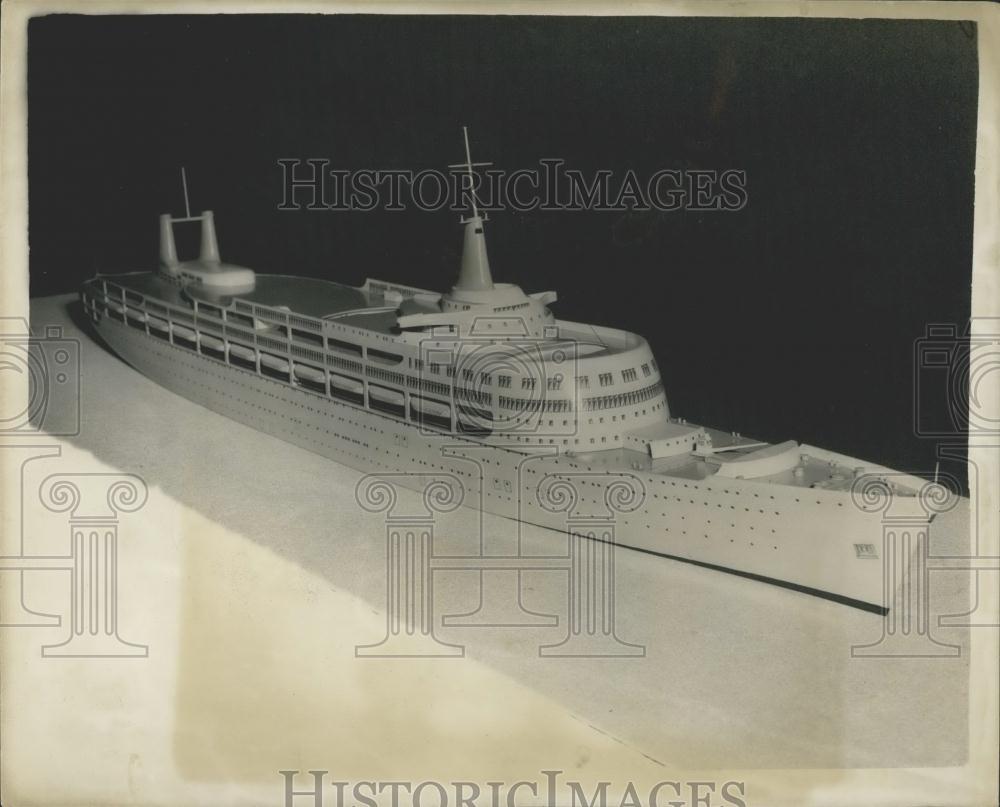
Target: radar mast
pixel 474 274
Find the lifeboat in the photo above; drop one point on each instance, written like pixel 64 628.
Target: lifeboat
pixel 347 384
pixel 182 332
pixel 386 395
pixel 428 406
pixel 305 372
pixel 274 362
pixel 212 342
pixel 242 352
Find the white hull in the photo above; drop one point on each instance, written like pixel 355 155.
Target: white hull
pixel 799 537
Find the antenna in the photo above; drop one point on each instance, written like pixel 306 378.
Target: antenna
pixel 184 182
pixel 468 165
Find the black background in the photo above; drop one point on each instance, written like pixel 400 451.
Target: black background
pixel 795 317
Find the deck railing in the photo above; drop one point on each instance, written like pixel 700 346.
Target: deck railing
pixel 330 355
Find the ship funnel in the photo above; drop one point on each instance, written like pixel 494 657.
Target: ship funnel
pixel 475 273
pixel 209 244
pixel 168 249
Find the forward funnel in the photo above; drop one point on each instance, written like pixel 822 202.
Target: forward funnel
pixel 475 273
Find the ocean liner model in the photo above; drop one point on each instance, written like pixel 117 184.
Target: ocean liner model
pixel 390 378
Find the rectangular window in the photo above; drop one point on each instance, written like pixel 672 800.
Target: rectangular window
pixel 553 383
pixel 605 379
pixel 528 383
pixel 239 319
pixel 343 347
pixel 307 337
pixel 629 374
pixel 645 370
pixel 504 381
pixel 382 357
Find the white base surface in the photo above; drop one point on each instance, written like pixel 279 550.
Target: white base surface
pixel 252 574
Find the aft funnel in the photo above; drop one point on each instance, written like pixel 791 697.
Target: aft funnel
pixel 209 245
pixel 207 277
pixel 168 249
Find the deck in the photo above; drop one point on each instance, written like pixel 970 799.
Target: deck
pixel 312 297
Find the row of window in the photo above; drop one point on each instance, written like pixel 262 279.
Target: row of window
pixel 302 375
pixel 628 375
pixel 306 376
pixel 623 398
pixel 552 383
pixel 534 404
pixel 284 333
pixel 480 397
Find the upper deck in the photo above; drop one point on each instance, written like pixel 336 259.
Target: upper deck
pixel 304 296
pixel 263 330
pixel 375 307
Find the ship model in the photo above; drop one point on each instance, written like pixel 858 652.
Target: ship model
pixel 391 379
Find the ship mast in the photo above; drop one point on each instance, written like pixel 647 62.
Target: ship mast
pixel 474 274
pixel 209 253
